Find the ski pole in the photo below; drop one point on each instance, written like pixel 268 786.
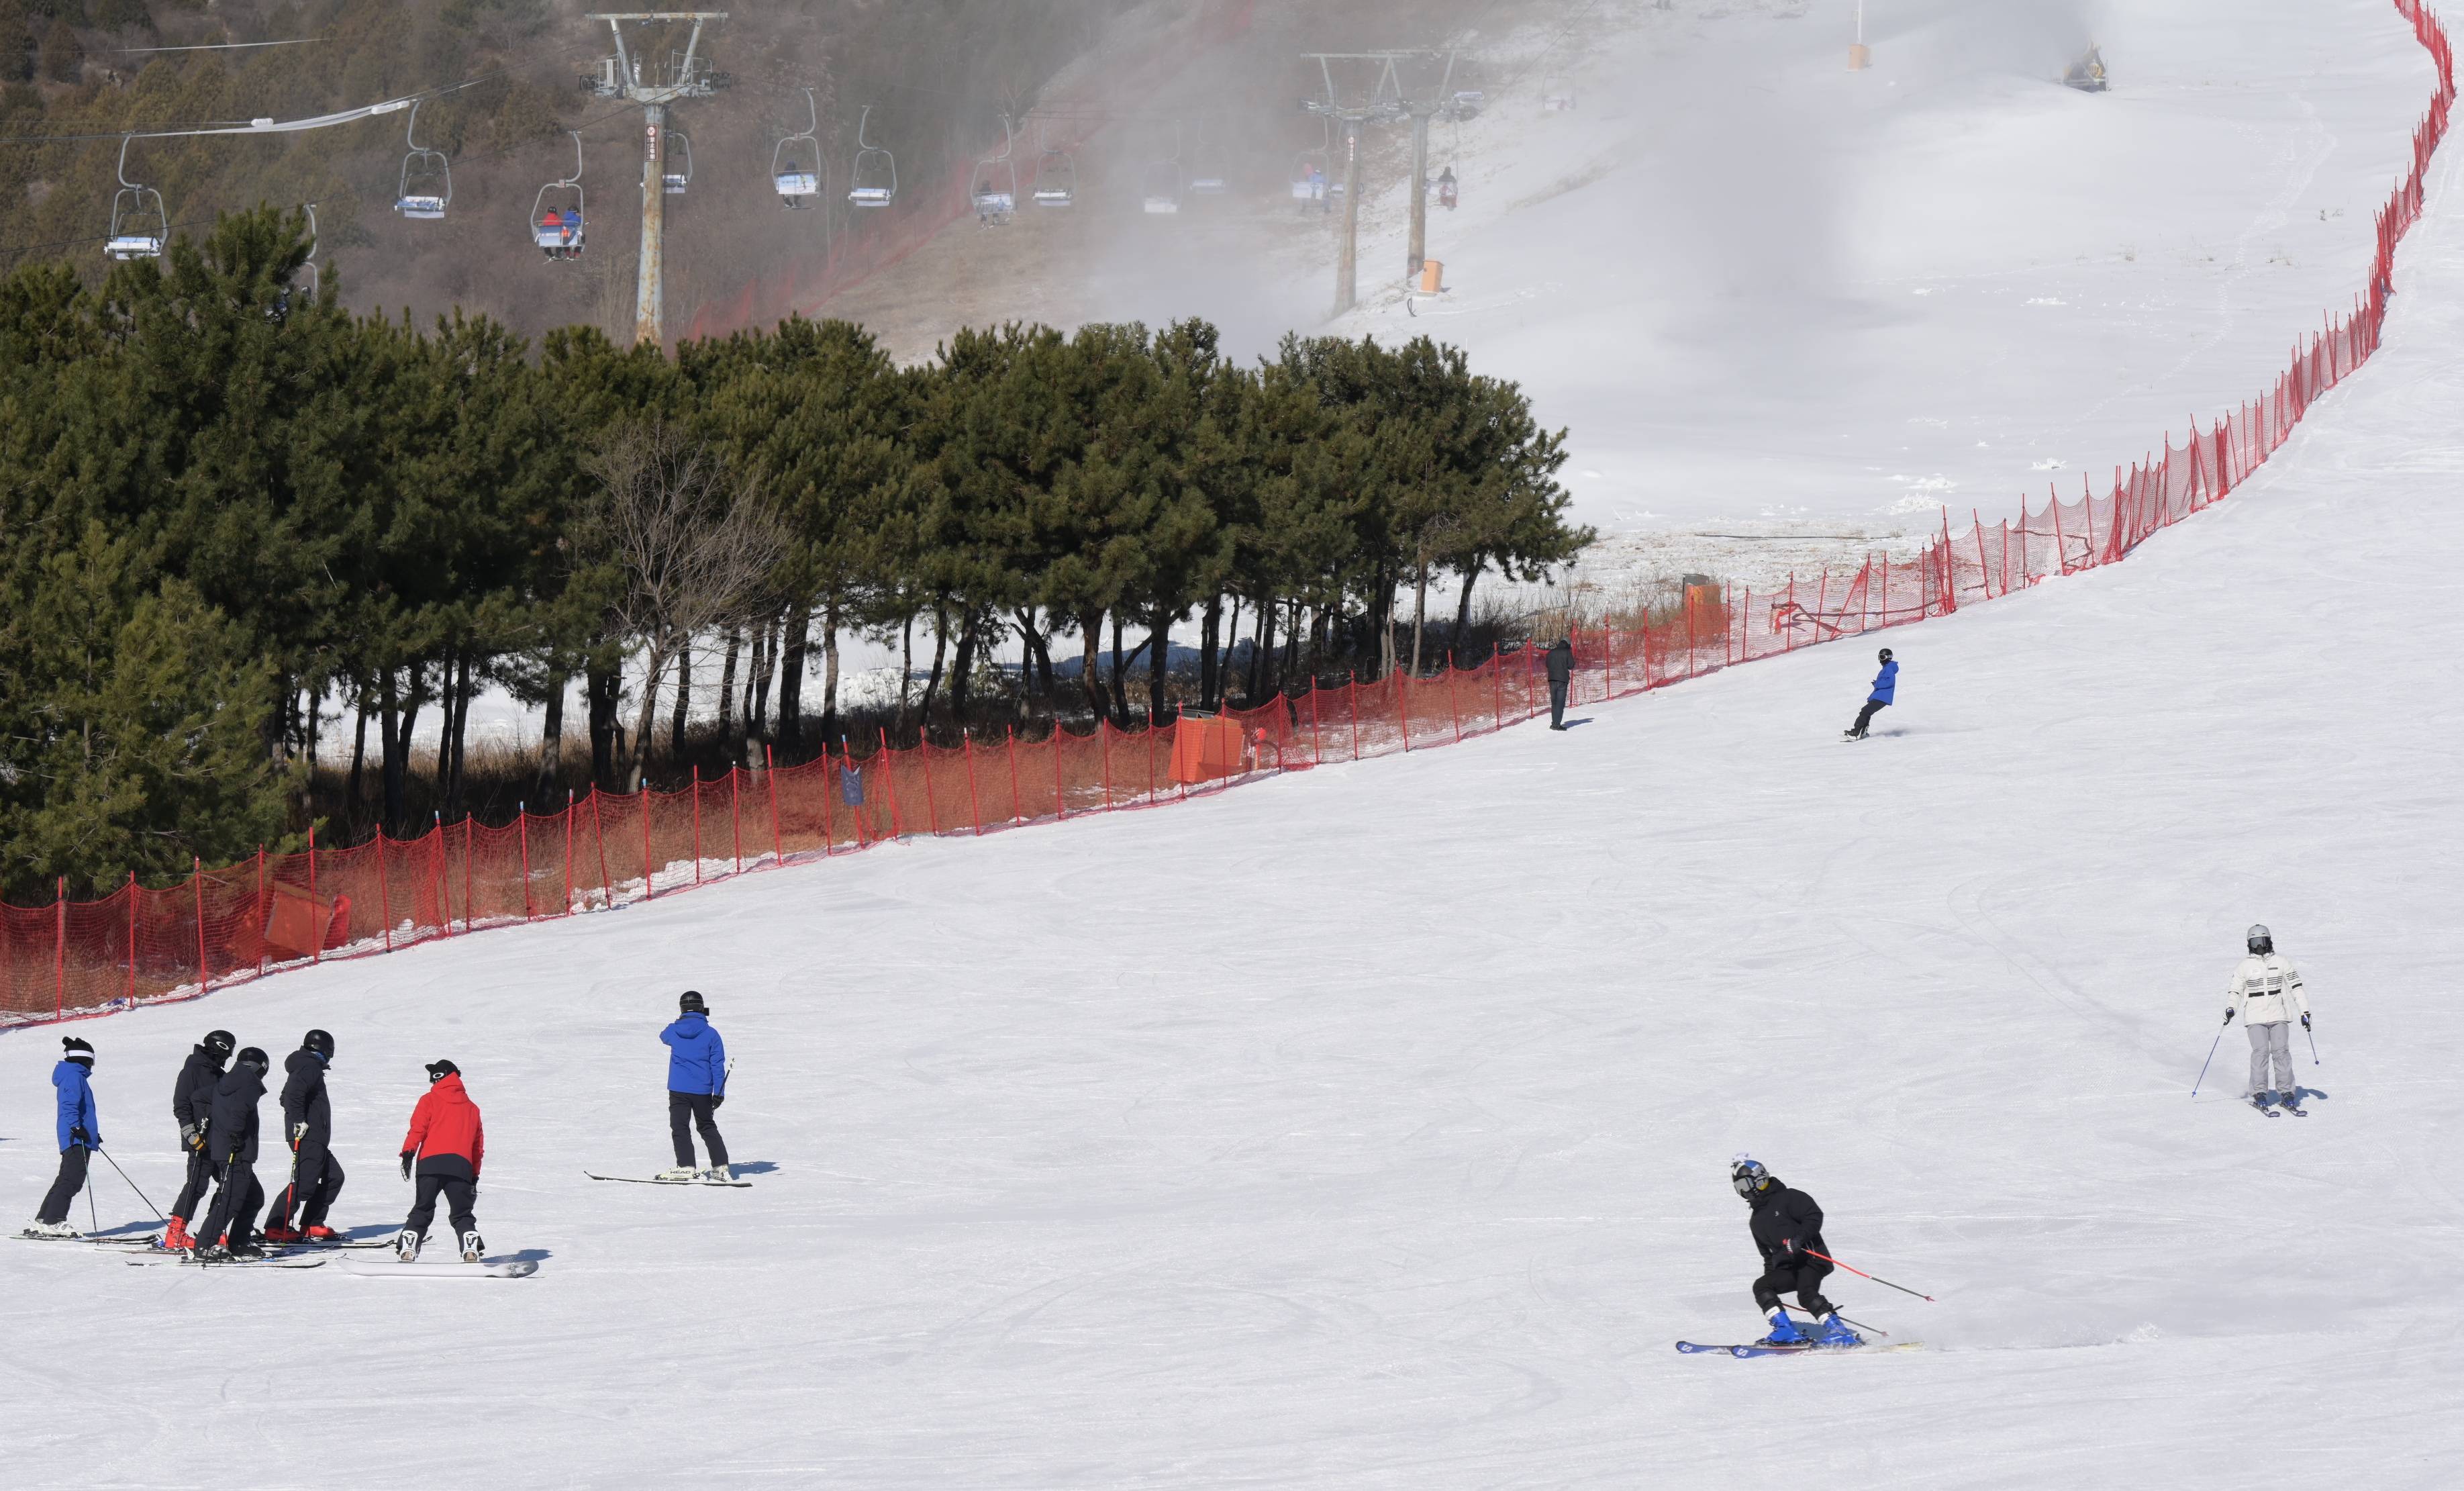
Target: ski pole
pixel 2212 1056
pixel 2314 1042
pixel 1861 1274
pixel 132 1185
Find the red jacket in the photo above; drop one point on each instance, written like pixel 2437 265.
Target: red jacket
pixel 446 1123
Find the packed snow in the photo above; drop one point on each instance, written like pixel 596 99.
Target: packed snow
pixel 1369 1126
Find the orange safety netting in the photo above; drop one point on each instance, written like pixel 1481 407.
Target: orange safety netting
pixel 72 959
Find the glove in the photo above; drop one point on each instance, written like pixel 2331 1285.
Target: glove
pixel 298 1131
pixel 1787 1251
pixel 191 1137
pixel 2305 1021
pixel 2227 1017
pixel 720 1099
pixel 406 1163
pixel 77 1135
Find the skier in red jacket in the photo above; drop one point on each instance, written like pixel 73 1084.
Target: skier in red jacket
pixel 446 1143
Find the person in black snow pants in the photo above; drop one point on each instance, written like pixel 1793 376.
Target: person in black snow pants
pixel 231 1141
pixel 1886 683
pixel 80 1132
pixel 1788 1231
pixel 1561 673
pixel 192 1105
pixel 308 1127
pixel 697 1087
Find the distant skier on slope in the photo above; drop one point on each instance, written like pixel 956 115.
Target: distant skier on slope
pixel 1879 699
pixel 80 1131
pixel 308 1129
pixel 2266 993
pixel 447 1143
pixel 192 1105
pixel 1787 1230
pixel 1561 673
pixel 697 1087
pixel 231 1145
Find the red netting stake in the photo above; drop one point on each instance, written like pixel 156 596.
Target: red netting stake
pixel 1497 691
pixel 260 911
pixel 924 759
pixel 1060 794
pixel 1317 737
pixel 1453 708
pixel 778 840
pixel 1104 741
pixel 735 807
pixel 132 937
pixel 1153 796
pixel 60 945
pixel 522 817
pixel 467 905
pixel 384 898
pixel 566 910
pixel 1402 679
pixel 830 789
pixel 896 829
pixel 1017 805
pixel 975 803
pixel 598 839
pixel 1351 696
pixel 697 820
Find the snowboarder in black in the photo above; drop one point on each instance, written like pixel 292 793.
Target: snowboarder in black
pixel 192 1104
pixel 308 1127
pixel 230 1143
pixel 1561 673
pixel 1788 1231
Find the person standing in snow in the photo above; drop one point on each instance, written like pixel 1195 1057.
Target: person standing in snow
pixel 446 1143
pixel 1561 673
pixel 697 1087
pixel 2266 993
pixel 1884 682
pixel 1787 1229
pixel 308 1127
pixel 230 1144
pixel 192 1105
pixel 80 1130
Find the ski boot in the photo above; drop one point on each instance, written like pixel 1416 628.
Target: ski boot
pixel 319 1232
pixel 1784 1331
pixel 472 1248
pixel 678 1173
pixel 1836 1333
pixel 405 1245
pixel 210 1253
pixel 42 1229
pixel 719 1173
pixel 175 1237
pixel 245 1247
pixel 280 1233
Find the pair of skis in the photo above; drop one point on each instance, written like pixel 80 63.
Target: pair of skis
pixel 654 1180
pixel 1752 1348
pixel 2292 1105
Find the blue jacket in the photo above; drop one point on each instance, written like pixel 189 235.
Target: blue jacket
pixel 696 1057
pixel 1885 681
pixel 77 1103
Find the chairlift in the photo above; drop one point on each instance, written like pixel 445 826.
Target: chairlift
pixel 315 278
pixel 1205 166
pixel 1163 179
pixel 1056 172
pixel 1313 173
pixel 427 186
pixel 994 188
pixel 1468 102
pixel 137 228
pixel 874 179
pixel 672 181
pixel 796 167
pixel 555 226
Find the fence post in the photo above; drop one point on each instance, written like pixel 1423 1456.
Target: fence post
pixel 318 957
pixel 1317 741
pixel 599 836
pixel 1351 696
pixel 736 804
pixel 1497 691
pixel 1454 707
pixel 924 759
pixel 261 908
pixel 523 817
pixel 645 824
pixel 975 803
pixel 566 909
pixel 896 829
pixel 1104 740
pixel 1017 805
pixel 1060 796
pixel 132 937
pixel 60 945
pixel 778 840
pixel 467 902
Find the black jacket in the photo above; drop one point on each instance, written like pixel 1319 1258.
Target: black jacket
pixel 193 1097
pixel 303 1096
pixel 1782 1214
pixel 232 1133
pixel 1561 663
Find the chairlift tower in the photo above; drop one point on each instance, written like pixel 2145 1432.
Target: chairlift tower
pixel 1385 105
pixel 624 77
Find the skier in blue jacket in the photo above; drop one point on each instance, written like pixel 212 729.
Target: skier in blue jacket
pixel 696 1085
pixel 1884 682
pixel 80 1130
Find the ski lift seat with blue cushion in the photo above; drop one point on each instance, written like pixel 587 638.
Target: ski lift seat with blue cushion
pixel 869 196
pixel 427 208
pixel 134 246
pixel 797 184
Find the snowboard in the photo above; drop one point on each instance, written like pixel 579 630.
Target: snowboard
pixel 451 1268
pixel 653 1180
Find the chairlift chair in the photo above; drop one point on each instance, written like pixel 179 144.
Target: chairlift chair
pixel 994 188
pixel 1163 180
pixel 874 179
pixel 1056 173
pixel 138 218
pixel 1468 102
pixel 796 168
pixel 1207 166
pixel 555 227
pixel 672 181
pixel 427 185
pixel 1313 173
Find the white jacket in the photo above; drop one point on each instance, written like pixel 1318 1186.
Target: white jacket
pixel 2265 990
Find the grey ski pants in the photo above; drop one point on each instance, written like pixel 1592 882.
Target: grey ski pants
pixel 2272 1039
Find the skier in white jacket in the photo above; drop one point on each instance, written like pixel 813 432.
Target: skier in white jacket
pixel 2266 993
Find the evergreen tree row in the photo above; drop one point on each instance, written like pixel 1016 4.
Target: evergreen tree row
pixel 235 517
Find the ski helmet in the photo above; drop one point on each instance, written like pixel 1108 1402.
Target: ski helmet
pixel 690 1002
pixel 440 1069
pixel 76 1048
pixel 253 1056
pixel 1747 1174
pixel 319 1042
pixel 221 1042
pixel 2259 943
pixel 1885 656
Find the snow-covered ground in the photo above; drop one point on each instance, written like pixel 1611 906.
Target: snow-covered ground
pixel 1369 1126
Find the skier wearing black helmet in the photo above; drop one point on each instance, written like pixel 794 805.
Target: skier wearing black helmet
pixel 1788 1231
pixel 2266 993
pixel 192 1104
pixel 308 1129
pixel 231 1145
pixel 1878 698
pixel 697 1087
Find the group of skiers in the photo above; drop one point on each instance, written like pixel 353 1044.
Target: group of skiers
pixel 1559 663
pixel 214 1104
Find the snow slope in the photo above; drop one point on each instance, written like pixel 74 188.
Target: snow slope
pixel 1369 1128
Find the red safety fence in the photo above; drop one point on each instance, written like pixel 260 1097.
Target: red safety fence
pixel 73 959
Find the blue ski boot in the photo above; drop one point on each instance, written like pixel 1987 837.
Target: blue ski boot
pixel 1784 1331
pixel 1836 1333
